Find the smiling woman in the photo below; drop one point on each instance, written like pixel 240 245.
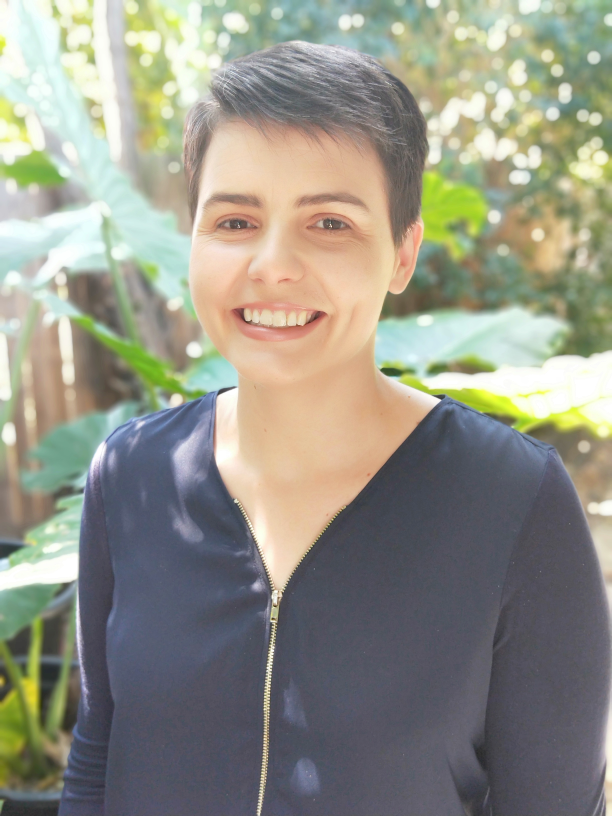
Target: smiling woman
pixel 324 593
pixel 310 255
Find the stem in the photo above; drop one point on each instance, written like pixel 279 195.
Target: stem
pixel 34 735
pixel 59 696
pixel 17 766
pixel 124 302
pixel 21 349
pixel 34 652
pixel 123 298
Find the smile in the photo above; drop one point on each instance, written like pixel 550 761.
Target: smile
pixel 278 319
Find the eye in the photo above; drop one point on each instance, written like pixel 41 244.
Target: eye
pixel 236 224
pixel 332 224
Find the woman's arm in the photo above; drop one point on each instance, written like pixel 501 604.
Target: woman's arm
pixel 84 778
pixel 550 684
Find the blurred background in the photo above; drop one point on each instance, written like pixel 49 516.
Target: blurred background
pixel 509 310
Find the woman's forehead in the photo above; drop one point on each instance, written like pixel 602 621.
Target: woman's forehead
pixel 288 158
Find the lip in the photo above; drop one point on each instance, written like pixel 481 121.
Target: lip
pixel 270 334
pixel 281 307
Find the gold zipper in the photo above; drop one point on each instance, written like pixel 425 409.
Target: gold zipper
pixel 277 594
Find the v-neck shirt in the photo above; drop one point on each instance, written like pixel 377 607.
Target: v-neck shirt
pixel 442 649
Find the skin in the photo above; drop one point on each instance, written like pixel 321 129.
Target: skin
pixel 313 418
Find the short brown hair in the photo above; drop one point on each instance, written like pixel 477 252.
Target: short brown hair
pixel 315 87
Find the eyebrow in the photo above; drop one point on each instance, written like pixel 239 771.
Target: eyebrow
pixel 304 201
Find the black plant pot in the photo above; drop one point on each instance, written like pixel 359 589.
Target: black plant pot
pixel 35 803
pixel 32 804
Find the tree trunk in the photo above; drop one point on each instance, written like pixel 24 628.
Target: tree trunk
pixel 118 106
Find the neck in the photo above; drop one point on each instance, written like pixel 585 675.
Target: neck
pixel 313 422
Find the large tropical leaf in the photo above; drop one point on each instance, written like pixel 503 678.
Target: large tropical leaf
pixel 30 576
pixel 445 204
pixel 81 251
pixel 19 607
pixel 154 370
pixel 66 451
pixel 25 241
pixel 51 560
pixel 568 392
pixel 485 340
pixel 151 236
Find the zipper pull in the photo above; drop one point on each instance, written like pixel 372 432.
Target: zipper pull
pixel 277 594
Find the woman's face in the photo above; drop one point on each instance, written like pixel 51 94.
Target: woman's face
pixel 287 227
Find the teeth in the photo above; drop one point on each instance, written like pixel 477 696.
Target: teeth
pixel 278 318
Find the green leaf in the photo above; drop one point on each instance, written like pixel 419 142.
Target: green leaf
pixel 485 340
pixel 446 204
pixel 25 241
pixel 154 370
pixel 19 607
pixel 66 451
pixel 51 560
pixel 13 734
pixel 210 373
pixel 36 168
pixel 568 392
pixel 56 533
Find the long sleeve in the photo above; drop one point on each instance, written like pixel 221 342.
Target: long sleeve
pixel 84 778
pixel 550 684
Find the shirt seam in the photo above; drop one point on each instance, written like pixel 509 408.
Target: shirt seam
pixel 519 535
pixel 537 443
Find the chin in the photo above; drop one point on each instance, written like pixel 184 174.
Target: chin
pixel 267 370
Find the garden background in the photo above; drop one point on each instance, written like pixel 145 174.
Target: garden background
pixel 509 310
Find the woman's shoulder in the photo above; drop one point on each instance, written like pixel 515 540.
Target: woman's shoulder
pixel 486 445
pixel 144 440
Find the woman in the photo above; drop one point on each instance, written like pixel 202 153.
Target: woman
pixel 324 593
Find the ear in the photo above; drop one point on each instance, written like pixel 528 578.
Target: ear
pixel 406 257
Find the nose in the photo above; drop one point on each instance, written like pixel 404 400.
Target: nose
pixel 275 258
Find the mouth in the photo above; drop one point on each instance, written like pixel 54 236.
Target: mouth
pixel 268 319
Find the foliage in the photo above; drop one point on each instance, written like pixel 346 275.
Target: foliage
pixel 485 340
pixel 148 235
pixel 66 452
pixel 36 167
pixel 568 392
pixel 152 370
pixel 442 202
pixel 71 239
pixel 12 727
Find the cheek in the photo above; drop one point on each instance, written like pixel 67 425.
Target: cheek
pixel 210 275
pixel 357 281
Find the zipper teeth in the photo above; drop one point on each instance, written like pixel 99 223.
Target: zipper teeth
pixel 250 526
pixel 312 545
pixel 271 649
pixel 266 724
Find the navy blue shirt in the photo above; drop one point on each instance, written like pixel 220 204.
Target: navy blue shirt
pixel 442 649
